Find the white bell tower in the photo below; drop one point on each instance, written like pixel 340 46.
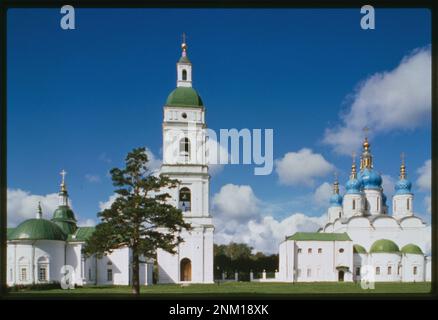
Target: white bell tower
pixel 184 159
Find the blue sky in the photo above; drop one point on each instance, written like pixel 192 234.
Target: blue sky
pixel 81 99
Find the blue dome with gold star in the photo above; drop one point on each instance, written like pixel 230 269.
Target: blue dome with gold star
pixel 403 186
pixel 353 186
pixel 370 179
pixel 336 200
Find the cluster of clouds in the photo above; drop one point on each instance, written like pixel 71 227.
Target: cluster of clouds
pixel 399 99
pixel 22 205
pixel 240 216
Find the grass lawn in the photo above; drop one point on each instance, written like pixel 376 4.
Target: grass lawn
pixel 237 289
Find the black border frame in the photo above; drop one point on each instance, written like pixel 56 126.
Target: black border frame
pixel 212 4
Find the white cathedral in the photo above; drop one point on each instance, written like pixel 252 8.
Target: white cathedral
pixel 359 231
pixel 37 249
pixel 360 238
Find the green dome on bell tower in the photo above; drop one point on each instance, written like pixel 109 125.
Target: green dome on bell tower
pixel 64 216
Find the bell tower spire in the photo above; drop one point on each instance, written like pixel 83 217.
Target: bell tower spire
pixel 184 67
pixel 63 194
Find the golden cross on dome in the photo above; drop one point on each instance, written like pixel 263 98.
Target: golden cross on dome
pixel 63 173
pixel 184 37
pixel 402 156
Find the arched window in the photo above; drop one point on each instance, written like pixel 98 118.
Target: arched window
pixel 185 199
pixel 407 204
pixel 23 264
pixel 43 269
pixel 184 74
pixel 184 147
pixel 354 204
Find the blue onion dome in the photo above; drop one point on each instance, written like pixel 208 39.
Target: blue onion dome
pixel 353 185
pixel 336 200
pixel 370 179
pixel 403 185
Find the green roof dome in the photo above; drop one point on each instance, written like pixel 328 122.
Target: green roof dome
pixel 412 249
pixel 184 59
pixel 64 217
pixel 64 213
pixel 357 248
pixel 384 246
pixel 37 229
pixel 184 97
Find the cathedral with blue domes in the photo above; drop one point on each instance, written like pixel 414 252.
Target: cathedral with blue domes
pixel 361 238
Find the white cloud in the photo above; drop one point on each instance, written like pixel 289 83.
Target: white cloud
pixel 107 204
pixel 265 234
pixel 22 205
pixel 86 223
pixel 217 156
pixel 428 204
pixel 302 167
pixel 424 180
pixel 154 163
pixel 322 194
pixel 93 178
pixel 390 100
pixel 235 202
pixel 237 214
pixel 388 184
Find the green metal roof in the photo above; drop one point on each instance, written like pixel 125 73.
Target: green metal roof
pixel 184 60
pixel 81 234
pixel 37 229
pixel 64 213
pixel 319 236
pixel 9 232
pixel 384 246
pixel 412 249
pixel 357 248
pixel 184 97
pixel 64 217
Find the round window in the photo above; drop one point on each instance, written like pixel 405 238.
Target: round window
pixel 184 115
pixel 341 250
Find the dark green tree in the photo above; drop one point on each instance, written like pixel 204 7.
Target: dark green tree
pixel 140 217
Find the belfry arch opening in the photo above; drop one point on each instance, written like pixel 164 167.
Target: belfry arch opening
pixel 184 75
pixel 185 199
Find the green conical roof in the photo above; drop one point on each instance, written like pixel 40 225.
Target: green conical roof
pixel 384 246
pixel 184 60
pixel 64 217
pixel 184 97
pixel 64 213
pixel 412 249
pixel 357 248
pixel 37 229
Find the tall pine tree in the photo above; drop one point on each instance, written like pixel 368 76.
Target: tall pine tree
pixel 139 218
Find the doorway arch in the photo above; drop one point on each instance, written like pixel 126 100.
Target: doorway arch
pixel 186 270
pixel 341 274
